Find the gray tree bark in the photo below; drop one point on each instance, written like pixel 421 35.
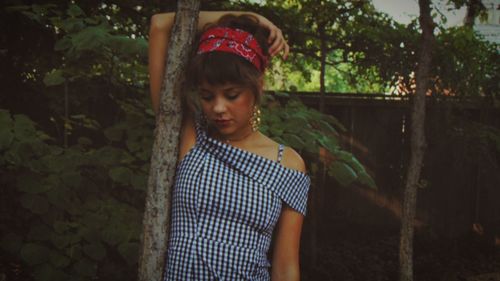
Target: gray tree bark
pixel 474 7
pixel 156 220
pixel 417 142
pixel 323 53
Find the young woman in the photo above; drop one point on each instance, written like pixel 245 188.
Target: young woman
pixel 235 188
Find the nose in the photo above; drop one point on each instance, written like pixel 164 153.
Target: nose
pixel 219 106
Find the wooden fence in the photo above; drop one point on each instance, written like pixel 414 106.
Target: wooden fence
pixel 461 176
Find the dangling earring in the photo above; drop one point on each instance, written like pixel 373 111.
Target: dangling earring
pixel 255 119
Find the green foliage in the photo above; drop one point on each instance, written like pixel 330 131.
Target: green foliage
pixel 309 131
pixel 466 64
pixel 364 48
pixel 72 220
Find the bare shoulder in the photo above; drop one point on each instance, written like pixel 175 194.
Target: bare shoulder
pixel 292 160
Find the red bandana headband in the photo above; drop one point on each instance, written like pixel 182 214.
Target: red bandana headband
pixel 235 41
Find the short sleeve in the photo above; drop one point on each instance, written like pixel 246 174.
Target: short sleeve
pixel 295 193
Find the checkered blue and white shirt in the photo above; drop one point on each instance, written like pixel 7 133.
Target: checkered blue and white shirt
pixel 226 202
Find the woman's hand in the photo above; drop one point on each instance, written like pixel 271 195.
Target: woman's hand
pixel 276 39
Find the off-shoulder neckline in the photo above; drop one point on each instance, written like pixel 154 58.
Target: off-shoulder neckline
pixel 254 155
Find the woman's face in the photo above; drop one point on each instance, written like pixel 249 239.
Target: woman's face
pixel 228 108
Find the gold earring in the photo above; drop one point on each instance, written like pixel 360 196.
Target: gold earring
pixel 255 119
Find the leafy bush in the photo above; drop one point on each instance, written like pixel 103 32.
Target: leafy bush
pixel 74 212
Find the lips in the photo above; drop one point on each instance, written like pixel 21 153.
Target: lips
pixel 222 122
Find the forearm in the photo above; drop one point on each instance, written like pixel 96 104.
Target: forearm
pixel 285 273
pixel 165 21
pixel 285 263
pixel 159 34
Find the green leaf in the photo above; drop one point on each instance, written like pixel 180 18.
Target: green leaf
pixel 34 253
pixel 296 124
pixel 115 233
pixel 6 132
pixel 121 174
pixel 90 38
pixel 109 155
pixel 46 272
pixel 60 227
pixel 294 141
pixel 344 174
pixel 56 150
pixel 71 178
pixel 127 46
pixel 130 252
pixel 54 78
pixel 63 44
pixel 330 144
pixel 61 198
pixel 30 182
pixel 75 11
pixel 62 241
pixel 350 160
pixel 24 128
pixel 91 234
pixel 93 204
pixel 39 232
pixel 6 138
pixel 365 179
pixel 58 259
pixel 86 267
pixel 113 133
pixel 35 203
pixel 83 141
pixel 94 219
pixel 138 181
pixel 71 25
pixel 134 145
pixel 95 250
pixel 326 127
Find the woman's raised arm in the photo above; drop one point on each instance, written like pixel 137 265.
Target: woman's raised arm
pixel 159 34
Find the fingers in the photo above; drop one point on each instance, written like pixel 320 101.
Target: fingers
pixel 278 43
pixel 272 35
pixel 286 51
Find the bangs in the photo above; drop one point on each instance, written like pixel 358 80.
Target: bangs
pixel 218 68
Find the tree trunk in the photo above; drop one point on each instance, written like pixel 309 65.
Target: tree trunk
pixel 417 142
pixel 322 74
pixel 156 220
pixel 474 7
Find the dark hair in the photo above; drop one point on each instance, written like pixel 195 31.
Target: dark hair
pixel 218 68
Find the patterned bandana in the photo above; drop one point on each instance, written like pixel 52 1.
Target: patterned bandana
pixel 236 41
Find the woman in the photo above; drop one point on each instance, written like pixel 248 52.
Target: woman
pixel 235 188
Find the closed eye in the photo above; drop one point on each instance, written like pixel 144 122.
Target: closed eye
pixel 233 96
pixel 205 95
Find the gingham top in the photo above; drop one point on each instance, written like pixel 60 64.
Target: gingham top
pixel 226 202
